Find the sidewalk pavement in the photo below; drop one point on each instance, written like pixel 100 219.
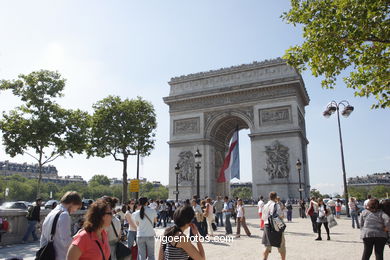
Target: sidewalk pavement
pixel 345 243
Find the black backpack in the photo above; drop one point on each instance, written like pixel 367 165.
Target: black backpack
pixel 47 251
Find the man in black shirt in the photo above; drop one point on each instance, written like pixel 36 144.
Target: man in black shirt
pixel 33 217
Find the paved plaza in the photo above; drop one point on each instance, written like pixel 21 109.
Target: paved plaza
pixel 345 243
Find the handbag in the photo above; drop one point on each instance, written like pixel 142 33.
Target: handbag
pixel 276 223
pixel 120 249
pixel 331 221
pixel 47 252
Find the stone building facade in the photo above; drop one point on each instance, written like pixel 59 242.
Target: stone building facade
pixel 268 98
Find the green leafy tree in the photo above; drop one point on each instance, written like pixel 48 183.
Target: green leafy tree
pixel 380 191
pixel 341 34
pixel 242 192
pixel 99 180
pixel 122 128
pixel 315 193
pixel 160 192
pixel 359 193
pixel 40 128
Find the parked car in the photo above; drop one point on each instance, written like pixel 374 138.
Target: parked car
pixel 51 204
pixel 15 205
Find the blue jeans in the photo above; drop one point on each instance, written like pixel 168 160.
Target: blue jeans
pixel 354 217
pixel 131 237
pixel 31 224
pixel 219 219
pixel 228 226
pixel 145 244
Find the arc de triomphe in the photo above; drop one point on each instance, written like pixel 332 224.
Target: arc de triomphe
pixel 268 98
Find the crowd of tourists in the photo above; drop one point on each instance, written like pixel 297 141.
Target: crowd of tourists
pixel 110 231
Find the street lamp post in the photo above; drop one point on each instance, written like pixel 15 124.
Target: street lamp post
pixel 299 165
pixel 198 157
pixel 177 171
pixel 348 109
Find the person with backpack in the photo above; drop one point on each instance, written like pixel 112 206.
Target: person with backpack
pixel 272 237
pixel 33 218
pixel 70 203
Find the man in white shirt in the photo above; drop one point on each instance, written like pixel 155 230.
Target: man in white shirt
pixel 268 210
pixel 62 239
pixel 260 206
pixel 366 201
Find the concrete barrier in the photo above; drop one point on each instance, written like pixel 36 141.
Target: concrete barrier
pixel 18 224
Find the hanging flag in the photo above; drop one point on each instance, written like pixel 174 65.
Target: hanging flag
pixel 231 165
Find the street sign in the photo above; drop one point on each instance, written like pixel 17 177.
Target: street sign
pixel 175 192
pixel 300 189
pixel 134 186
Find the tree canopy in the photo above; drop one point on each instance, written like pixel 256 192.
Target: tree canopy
pixel 121 128
pixel 40 125
pixel 344 34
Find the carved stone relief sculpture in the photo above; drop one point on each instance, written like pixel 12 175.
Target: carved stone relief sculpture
pixel 275 115
pixel 277 161
pixel 187 167
pixel 186 126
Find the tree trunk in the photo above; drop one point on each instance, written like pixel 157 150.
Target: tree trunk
pixel 124 180
pixel 39 176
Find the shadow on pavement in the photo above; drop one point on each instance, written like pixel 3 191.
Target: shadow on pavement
pixel 19 250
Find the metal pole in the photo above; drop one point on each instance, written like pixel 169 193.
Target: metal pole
pixel 300 184
pixel 343 165
pixel 197 181
pixel 137 194
pixel 177 187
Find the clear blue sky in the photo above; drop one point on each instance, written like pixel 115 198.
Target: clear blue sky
pixel 133 48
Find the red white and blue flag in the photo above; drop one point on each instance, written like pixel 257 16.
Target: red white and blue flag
pixel 231 165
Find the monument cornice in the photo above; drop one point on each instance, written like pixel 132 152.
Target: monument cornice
pixel 234 96
pixel 228 70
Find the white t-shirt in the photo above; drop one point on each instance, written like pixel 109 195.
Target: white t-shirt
pixel 260 205
pixel 331 203
pixel 240 211
pixel 144 226
pixel 365 203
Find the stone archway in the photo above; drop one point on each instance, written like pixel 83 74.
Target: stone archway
pixel 268 98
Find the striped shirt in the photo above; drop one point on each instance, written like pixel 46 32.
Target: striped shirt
pixel 373 224
pixel 174 253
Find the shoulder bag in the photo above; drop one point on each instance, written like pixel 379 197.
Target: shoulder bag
pixel 47 252
pixel 120 249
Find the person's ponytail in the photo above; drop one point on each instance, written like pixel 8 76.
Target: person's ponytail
pixel 142 202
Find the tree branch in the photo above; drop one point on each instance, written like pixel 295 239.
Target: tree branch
pixel 116 159
pixel 32 156
pixel 50 160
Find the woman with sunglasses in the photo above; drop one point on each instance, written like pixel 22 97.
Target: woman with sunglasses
pixel 92 242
